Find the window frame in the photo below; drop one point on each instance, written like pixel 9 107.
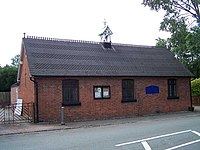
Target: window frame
pixel 127 91
pixel 172 89
pixel 69 99
pixel 102 88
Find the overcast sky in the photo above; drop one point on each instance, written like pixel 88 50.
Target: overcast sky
pixel 130 22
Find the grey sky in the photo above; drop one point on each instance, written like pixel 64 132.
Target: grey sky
pixel 130 22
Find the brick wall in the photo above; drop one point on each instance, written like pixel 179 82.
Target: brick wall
pixel 26 86
pixel 50 98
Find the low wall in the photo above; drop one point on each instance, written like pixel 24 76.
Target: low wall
pixel 196 100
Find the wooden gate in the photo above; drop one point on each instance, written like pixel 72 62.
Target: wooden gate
pixel 17 113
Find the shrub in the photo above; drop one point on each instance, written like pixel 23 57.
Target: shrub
pixel 195 85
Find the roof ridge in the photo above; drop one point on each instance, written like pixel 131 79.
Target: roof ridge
pixel 84 41
pixel 134 45
pixel 59 40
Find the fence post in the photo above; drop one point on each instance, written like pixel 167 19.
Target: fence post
pixel 62 116
pixel 4 108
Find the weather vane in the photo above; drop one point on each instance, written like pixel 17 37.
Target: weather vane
pixel 105 23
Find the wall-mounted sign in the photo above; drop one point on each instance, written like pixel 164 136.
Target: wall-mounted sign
pixel 101 92
pixel 18 109
pixel 152 89
pixel 97 91
pixel 106 92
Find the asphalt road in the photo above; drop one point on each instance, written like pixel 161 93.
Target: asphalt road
pixel 182 133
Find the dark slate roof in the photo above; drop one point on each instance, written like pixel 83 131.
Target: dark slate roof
pixel 53 57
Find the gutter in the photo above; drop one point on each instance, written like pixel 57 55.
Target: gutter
pixel 36 114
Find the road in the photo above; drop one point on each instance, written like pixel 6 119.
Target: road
pixel 151 134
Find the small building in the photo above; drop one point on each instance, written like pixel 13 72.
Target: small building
pixel 97 80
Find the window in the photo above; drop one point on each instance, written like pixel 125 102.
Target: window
pixel 101 92
pixel 128 91
pixel 172 89
pixel 70 92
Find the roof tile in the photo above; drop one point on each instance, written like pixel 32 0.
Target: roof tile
pixel 78 58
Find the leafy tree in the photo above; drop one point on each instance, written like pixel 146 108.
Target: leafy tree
pixel 195 85
pixel 176 8
pixel 184 41
pixel 177 41
pixel 161 43
pixel 193 47
pixel 8 74
pixel 15 61
pixel 186 47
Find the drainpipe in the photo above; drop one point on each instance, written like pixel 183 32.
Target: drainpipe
pixel 36 99
pixel 191 108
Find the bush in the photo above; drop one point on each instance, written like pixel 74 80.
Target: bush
pixel 195 85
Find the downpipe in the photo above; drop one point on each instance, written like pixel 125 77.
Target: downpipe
pixel 36 99
pixel 191 108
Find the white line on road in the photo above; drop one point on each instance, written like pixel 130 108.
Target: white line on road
pixel 195 132
pixel 152 138
pixel 146 145
pixel 182 145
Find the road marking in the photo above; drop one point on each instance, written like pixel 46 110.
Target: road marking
pixel 152 138
pixel 146 145
pixel 195 132
pixel 182 145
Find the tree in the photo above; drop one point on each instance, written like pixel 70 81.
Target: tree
pixel 15 61
pixel 193 47
pixel 184 41
pixel 161 43
pixel 176 8
pixel 186 47
pixel 177 41
pixel 8 74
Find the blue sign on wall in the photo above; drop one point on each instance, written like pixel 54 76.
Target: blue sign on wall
pixel 152 89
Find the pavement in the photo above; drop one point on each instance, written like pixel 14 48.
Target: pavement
pixel 20 128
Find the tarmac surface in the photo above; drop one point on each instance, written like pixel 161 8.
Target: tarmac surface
pixel 20 128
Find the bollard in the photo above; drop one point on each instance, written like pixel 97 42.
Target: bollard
pixel 62 116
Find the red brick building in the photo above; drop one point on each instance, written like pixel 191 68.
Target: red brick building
pixel 96 80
